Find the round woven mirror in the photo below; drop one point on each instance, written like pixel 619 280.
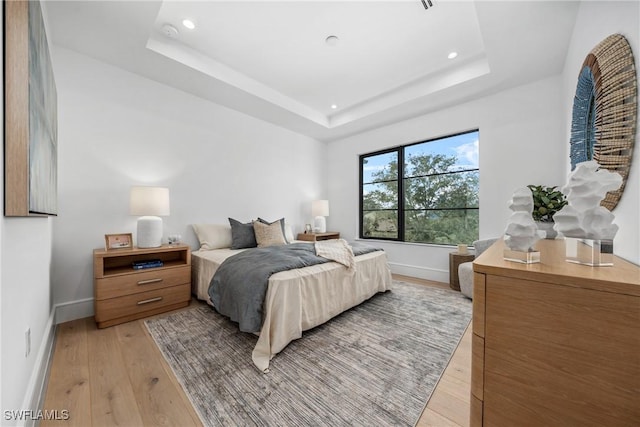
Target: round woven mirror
pixel 603 125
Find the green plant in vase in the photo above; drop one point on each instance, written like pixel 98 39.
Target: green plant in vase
pixel 546 202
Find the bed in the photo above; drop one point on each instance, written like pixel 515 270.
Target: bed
pixel 296 300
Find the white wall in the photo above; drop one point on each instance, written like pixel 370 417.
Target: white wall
pixel 25 261
pixel 596 21
pixel 521 142
pixel 117 129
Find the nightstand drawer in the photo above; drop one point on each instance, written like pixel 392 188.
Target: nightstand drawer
pixel 140 303
pixel 141 281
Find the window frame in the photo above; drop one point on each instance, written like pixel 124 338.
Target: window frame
pixel 400 179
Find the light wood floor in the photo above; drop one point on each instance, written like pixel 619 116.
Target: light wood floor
pixel 118 377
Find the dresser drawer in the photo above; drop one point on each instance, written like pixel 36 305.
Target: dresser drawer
pixel 477 366
pixel 141 281
pixel 128 305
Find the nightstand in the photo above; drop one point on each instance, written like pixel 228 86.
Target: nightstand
pixel 455 259
pixel 313 237
pixel 122 293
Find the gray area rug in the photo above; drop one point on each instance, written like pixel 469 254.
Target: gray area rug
pixel 373 365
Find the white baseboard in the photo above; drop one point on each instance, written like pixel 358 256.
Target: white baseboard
pixel 34 396
pixel 420 272
pixel 73 310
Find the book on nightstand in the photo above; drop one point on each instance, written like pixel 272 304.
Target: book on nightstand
pixel 151 263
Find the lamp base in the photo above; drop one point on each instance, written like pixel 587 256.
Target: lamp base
pixel 149 232
pixel 320 224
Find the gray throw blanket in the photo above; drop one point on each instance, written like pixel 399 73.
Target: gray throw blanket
pixel 239 286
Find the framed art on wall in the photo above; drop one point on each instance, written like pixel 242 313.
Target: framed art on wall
pixel 30 114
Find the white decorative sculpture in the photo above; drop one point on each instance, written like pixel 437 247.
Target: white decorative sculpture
pixel 583 217
pixel 521 232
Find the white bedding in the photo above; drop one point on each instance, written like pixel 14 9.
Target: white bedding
pixel 300 299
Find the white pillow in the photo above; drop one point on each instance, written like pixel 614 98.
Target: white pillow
pixel 288 233
pixel 213 236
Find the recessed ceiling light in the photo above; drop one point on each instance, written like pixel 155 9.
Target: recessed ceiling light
pixel 332 40
pixel 452 55
pixel 334 106
pixel 189 24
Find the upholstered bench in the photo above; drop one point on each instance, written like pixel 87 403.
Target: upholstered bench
pixel 465 270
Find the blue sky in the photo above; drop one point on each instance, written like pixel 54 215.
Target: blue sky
pixel 464 147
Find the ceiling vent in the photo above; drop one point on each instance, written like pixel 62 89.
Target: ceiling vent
pixel 427 4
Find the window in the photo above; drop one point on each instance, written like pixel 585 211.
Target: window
pixel 425 192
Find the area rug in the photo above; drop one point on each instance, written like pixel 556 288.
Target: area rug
pixel 373 365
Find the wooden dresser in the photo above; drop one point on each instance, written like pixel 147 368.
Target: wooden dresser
pixel 555 343
pixel 123 293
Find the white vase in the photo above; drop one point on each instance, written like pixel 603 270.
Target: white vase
pixel 547 228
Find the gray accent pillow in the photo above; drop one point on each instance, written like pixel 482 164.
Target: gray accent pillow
pixel 242 235
pixel 281 221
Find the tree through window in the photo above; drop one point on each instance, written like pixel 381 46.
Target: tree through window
pixel 430 196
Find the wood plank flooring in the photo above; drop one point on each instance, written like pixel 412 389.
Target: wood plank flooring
pixel 118 377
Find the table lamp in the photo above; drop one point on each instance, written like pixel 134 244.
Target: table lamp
pixel 151 203
pixel 320 209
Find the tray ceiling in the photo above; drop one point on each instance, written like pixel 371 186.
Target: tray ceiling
pixel 271 59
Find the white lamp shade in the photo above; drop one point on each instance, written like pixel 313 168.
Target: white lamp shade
pixel 320 208
pixel 149 201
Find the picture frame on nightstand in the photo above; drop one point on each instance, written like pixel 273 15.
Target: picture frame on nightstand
pixel 307 228
pixel 118 241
